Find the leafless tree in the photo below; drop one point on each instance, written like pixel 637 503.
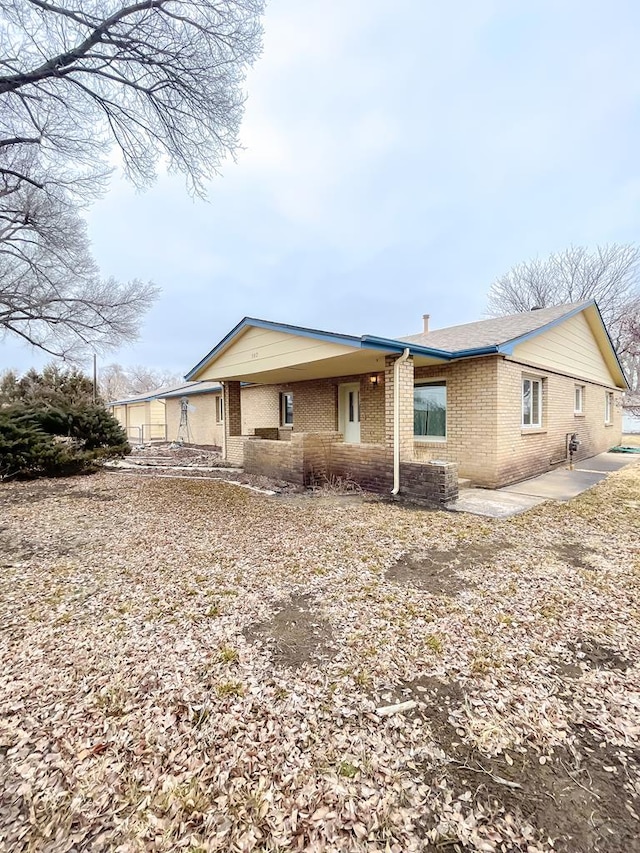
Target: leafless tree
pixel 117 382
pixel 161 82
pixel 609 274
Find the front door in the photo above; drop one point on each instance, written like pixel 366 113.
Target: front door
pixel 349 412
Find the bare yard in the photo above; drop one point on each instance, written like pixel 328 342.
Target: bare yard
pixel 189 665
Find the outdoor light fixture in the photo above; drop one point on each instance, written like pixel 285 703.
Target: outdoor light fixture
pixel 375 379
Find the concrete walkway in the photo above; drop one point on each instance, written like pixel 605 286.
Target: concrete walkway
pixel 558 485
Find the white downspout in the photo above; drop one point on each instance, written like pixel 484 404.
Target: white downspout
pixel 224 424
pixel 396 421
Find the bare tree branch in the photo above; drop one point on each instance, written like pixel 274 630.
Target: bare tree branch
pixel 161 80
pixel 609 274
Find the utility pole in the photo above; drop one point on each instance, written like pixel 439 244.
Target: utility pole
pixel 95 379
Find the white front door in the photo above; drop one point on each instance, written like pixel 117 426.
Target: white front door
pixel 349 412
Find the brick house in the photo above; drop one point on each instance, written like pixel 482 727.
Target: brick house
pixel 494 401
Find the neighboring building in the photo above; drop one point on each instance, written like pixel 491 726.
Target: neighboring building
pixel 156 415
pixel 141 416
pixel 496 400
pixel 204 414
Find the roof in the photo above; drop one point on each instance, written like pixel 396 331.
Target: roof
pixel 201 386
pixel 496 331
pixel 370 342
pixel 497 335
pixel 184 389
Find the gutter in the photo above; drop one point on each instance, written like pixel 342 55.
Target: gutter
pixel 396 421
pixel 224 423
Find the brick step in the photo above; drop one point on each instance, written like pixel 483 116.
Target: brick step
pixel 463 483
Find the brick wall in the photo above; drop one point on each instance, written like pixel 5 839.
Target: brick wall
pixel 526 452
pixel 260 407
pixel 235 449
pixel 372 419
pixel 484 433
pixel 433 481
pixel 315 407
pixel 312 458
pixel 232 409
pixel 405 382
pixel 472 418
pixel 280 460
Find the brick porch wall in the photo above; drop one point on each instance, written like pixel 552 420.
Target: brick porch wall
pixel 311 458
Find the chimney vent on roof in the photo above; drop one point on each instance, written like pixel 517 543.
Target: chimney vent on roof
pixel 425 323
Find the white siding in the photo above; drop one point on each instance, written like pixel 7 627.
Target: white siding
pixel 569 348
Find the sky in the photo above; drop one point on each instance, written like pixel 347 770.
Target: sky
pixel 397 158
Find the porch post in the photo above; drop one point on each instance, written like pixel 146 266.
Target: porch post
pixel 232 422
pixel 405 385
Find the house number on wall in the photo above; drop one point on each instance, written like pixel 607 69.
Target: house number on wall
pixel 255 354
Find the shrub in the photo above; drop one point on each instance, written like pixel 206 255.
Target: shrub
pixel 46 441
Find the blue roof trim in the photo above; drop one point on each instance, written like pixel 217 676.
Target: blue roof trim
pixel 365 342
pixel 393 345
pixel 468 353
pixel 374 342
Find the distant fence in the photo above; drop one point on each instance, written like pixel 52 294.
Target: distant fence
pixel 146 432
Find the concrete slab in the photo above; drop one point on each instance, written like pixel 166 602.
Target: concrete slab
pixel 607 462
pixel 558 485
pixel 493 503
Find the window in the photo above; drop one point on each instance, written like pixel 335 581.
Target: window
pixel 578 400
pixel 531 402
pixel 608 407
pixel 286 409
pixel 430 410
pixel 219 410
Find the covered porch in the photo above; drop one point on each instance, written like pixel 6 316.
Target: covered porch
pixel 337 408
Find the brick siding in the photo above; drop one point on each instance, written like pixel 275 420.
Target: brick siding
pixel 525 452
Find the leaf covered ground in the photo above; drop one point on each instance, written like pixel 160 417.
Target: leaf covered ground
pixel 188 665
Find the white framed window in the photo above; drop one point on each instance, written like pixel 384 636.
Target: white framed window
pixel 430 410
pixel 286 408
pixel 219 409
pixel 578 400
pixel 608 407
pixel 531 401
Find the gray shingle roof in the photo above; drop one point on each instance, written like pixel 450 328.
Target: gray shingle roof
pixel 494 331
pixel 185 388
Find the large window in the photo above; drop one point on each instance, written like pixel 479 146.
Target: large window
pixel 430 410
pixel 286 409
pixel 531 402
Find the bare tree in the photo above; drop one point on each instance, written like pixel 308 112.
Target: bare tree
pixel 117 382
pixel 609 274
pixel 161 81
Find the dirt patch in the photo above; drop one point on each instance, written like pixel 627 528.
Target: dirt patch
pixel 575 554
pixel 437 572
pixel 595 654
pixel 296 634
pixel 565 669
pixel 582 798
